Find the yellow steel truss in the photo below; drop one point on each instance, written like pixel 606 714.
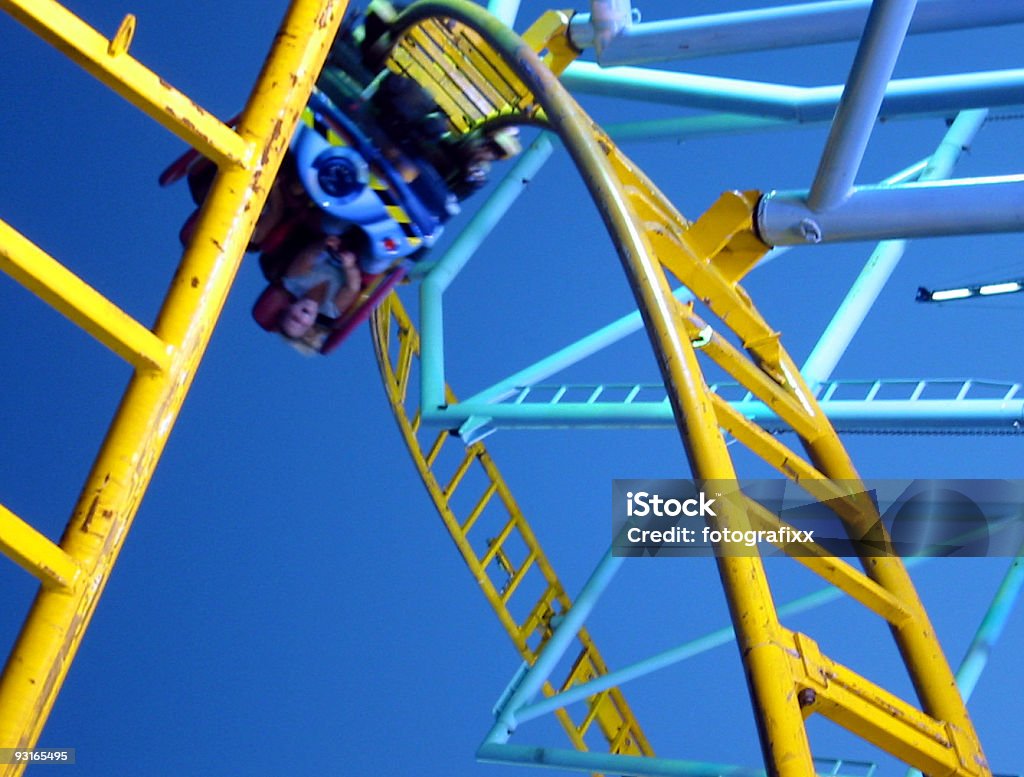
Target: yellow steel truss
pixel 397 346
pixel 789 678
pixel 73 573
pixel 452 62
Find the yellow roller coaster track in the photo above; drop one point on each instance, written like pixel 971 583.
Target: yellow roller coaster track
pixel 789 678
pixel 74 572
pixel 397 346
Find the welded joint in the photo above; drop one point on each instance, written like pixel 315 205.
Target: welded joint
pixel 812 669
pixel 725 235
pixel 550 37
pixel 475 429
pixel 605 22
pixel 770 349
pixel 967 751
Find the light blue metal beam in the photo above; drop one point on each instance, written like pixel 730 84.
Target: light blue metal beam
pixel 965 206
pixel 988 633
pixel 506 10
pixel 713 125
pixel 441 273
pixel 568 356
pixel 617 330
pixel 494 748
pixel 883 261
pixel 927 96
pixel 774 28
pixel 858 108
pixel 575 760
pixel 667 658
pixel 991 628
pixel 875 416
pixel 563 636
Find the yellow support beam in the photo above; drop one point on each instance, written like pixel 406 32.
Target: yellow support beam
pixel 833 569
pixel 124 466
pixel 710 257
pixel 56 285
pixel 36 554
pixel 933 746
pixel 108 60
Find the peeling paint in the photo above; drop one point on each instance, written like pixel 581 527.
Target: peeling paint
pixel 90 513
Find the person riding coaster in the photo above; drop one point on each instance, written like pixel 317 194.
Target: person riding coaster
pixel 372 174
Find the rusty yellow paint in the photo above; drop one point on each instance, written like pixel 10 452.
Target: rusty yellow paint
pixel 249 158
pixel 845 697
pixel 549 37
pixel 710 257
pixel 36 553
pixel 52 282
pixel 108 61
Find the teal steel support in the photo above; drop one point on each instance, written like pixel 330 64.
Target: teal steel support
pixel 505 10
pixel 875 415
pixel 689 127
pixel 988 633
pixel 858 108
pixel 883 261
pixel 569 355
pixel 575 760
pixel 927 96
pixel 667 658
pixel 777 27
pixel 439 275
pixel 565 632
pixel 618 329
pixel 991 628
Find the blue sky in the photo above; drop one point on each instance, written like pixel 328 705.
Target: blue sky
pixel 288 599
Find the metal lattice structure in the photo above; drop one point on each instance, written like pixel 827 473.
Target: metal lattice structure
pixel 686 279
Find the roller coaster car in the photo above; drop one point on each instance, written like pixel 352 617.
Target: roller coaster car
pixel 373 159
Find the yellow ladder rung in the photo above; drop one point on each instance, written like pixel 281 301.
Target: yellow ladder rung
pixel 491 68
pixel 567 723
pixel 435 449
pixel 625 741
pixel 835 570
pixel 493 72
pixel 404 367
pixel 479 508
pixel 497 542
pixel 486 73
pixel 502 560
pixel 35 553
pixel 460 472
pixel 537 617
pixel 461 89
pixel 582 671
pixel 411 68
pixel 109 62
pixel 64 291
pixel 518 577
pixel 592 713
